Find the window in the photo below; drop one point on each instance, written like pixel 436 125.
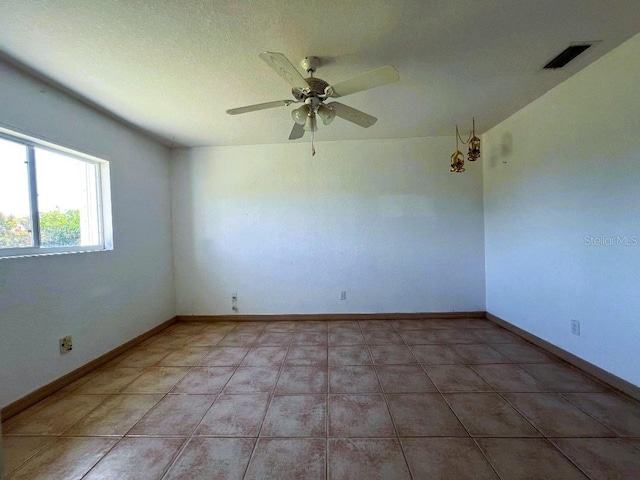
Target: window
pixel 52 199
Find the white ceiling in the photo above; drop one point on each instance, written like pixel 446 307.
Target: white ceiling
pixel 173 68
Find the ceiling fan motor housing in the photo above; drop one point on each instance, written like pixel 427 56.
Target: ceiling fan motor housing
pixel 317 87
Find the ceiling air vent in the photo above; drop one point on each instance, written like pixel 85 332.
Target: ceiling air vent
pixel 568 54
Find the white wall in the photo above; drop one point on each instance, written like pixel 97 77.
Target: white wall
pixel 562 170
pixel 102 299
pixel 383 220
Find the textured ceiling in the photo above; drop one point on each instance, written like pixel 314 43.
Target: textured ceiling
pixel 172 68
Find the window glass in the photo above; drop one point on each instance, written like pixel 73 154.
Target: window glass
pixel 67 200
pixel 15 213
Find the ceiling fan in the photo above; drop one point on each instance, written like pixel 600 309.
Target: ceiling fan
pixel 313 92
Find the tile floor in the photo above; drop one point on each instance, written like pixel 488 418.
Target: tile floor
pixel 311 400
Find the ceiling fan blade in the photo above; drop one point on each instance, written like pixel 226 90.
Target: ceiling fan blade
pixel 260 106
pixel 296 132
pixel 285 69
pixel 374 78
pixel 352 115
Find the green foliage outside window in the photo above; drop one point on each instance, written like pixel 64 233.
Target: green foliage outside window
pixel 57 229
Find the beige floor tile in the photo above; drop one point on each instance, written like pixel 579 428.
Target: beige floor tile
pixel 391 355
pixel 306 355
pixel 509 378
pixel 205 339
pixel 524 353
pixel 186 328
pixel 66 458
pixel 302 380
pixel 252 380
pixel 256 327
pixel 621 414
pixel 274 338
pixel 281 326
pixel 168 341
pixel 352 325
pixel 110 380
pixel 57 416
pixel 556 417
pixel 296 416
pixel 18 450
pixel 367 325
pixel 446 458
pixel 373 459
pixel 457 336
pixel 312 326
pixel 302 458
pixel 359 416
pixel 227 327
pixel 488 415
pixel 224 356
pixel 404 379
pixel 157 380
pixel 115 416
pixel 345 336
pixel 310 338
pixel 528 458
pixel 610 458
pixel 142 357
pixel 263 356
pixel 498 336
pixel 137 458
pixel 235 416
pixel 479 353
pixel 561 378
pixel 349 355
pixel 419 337
pixel 329 408
pixel 73 386
pixel 436 355
pixel 212 458
pixel 456 378
pixel 353 379
pixel 436 323
pixel 184 357
pixel 239 339
pixel 382 337
pixel 410 324
pixel 174 415
pixel 475 323
pixel 423 414
pixel 203 380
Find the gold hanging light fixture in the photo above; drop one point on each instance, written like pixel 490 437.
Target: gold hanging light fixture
pixel 457 159
pixel 474 145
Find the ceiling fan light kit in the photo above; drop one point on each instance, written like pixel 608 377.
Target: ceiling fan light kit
pixel 313 92
pixel 457 158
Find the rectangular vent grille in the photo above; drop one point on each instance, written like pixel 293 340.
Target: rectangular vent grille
pixel 567 55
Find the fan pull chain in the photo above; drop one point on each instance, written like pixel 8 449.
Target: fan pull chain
pixel 313 148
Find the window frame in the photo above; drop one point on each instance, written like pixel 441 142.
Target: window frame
pixel 103 198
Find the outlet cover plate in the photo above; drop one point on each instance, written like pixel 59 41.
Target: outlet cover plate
pixel 575 327
pixel 66 345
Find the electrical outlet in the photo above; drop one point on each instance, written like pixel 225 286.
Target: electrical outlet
pixel 575 327
pixel 66 345
pixel 343 295
pixel 234 302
